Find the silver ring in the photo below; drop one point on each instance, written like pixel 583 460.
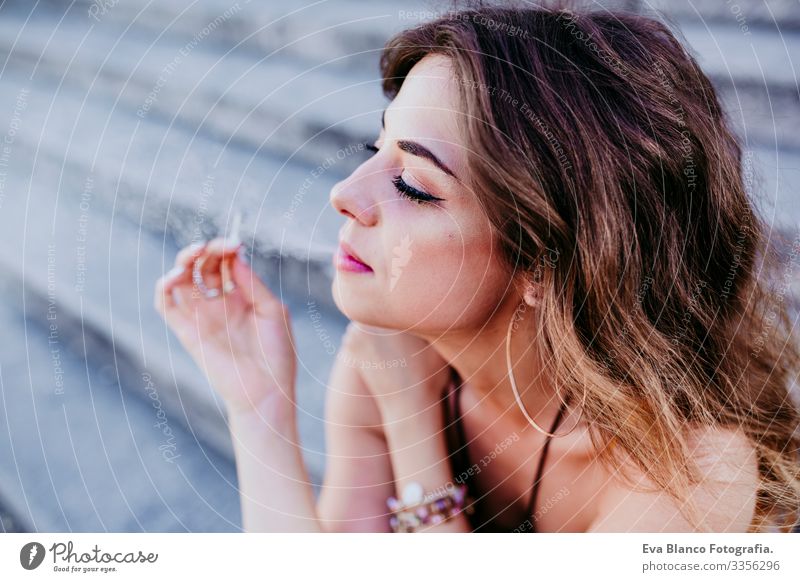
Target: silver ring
pixel 197 278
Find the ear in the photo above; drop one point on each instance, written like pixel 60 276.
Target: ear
pixel 531 289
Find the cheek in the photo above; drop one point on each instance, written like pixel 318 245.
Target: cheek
pixel 443 274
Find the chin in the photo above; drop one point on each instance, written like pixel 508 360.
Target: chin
pixel 356 306
pixel 366 308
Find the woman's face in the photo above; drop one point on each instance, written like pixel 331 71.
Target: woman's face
pixel 434 265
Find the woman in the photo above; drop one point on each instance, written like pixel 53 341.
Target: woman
pixel 554 239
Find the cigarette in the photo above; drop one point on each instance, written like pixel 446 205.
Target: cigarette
pixel 233 237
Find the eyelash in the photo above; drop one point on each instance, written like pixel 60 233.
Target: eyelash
pixel 405 189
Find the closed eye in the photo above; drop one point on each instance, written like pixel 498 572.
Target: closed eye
pixel 405 189
pixel 412 193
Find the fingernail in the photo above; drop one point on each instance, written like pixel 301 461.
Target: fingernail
pixel 175 271
pixel 228 287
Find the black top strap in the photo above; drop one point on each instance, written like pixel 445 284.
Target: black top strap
pixel 457 442
pixel 540 469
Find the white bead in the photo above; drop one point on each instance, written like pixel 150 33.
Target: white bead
pixel 412 493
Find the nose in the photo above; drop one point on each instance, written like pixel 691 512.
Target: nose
pixel 351 198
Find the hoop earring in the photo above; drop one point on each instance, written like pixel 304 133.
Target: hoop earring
pixel 516 392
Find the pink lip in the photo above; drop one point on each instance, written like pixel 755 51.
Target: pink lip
pixel 346 259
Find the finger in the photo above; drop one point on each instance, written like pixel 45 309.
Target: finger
pixel 166 304
pixel 163 301
pixel 253 290
pixel 181 273
pixel 164 298
pixel 225 271
pixel 188 297
pixel 188 254
pixel 216 253
pixel 177 276
pixel 222 246
pixel 205 276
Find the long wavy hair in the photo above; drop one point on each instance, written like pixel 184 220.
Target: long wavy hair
pixel 597 136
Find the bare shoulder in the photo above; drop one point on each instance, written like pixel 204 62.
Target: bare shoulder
pixel 726 494
pixel 724 454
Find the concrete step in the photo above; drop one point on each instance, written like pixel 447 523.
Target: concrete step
pixel 773 179
pixel 148 56
pixel 83 451
pixel 756 76
pixel 762 57
pixel 11 517
pixel 350 33
pixel 264 103
pixel 776 14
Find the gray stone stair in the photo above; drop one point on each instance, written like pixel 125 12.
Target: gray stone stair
pixel 349 33
pixel 780 14
pixel 300 113
pixel 756 76
pixel 84 451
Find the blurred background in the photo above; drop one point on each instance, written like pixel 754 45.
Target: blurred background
pixel 131 128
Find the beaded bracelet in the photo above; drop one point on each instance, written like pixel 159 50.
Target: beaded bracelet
pixel 415 509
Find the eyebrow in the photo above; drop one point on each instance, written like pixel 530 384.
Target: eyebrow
pixel 417 149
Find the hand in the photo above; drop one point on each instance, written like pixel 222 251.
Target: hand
pixel 241 339
pixel 398 368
